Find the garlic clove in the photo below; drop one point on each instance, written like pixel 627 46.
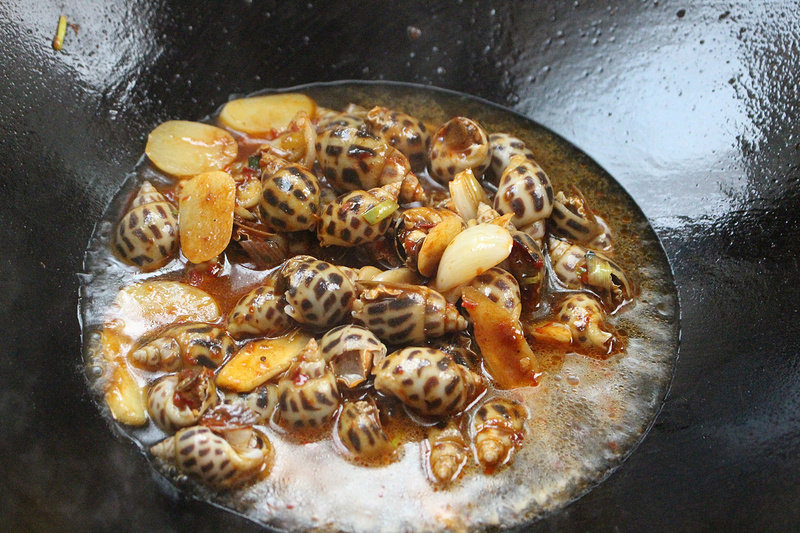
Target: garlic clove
pixel 472 252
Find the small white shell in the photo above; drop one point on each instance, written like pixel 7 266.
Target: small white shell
pixel 472 252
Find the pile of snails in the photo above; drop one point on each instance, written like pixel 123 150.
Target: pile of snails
pixel 408 270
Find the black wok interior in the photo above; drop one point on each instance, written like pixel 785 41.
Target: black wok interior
pixel 692 106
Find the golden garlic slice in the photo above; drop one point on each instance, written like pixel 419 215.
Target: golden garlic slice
pixel 263 114
pixel 185 148
pixel 259 361
pixel 206 206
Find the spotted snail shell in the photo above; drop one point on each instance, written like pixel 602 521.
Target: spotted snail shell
pixel 290 199
pixel 524 190
pixel 262 401
pixel 261 311
pixel 335 121
pixel 318 293
pixel 447 453
pixel 199 452
pixel 501 288
pixel 402 131
pixel 351 351
pixel 460 144
pixel 297 143
pixel 352 159
pixel 179 400
pixel 574 220
pixel 147 235
pixel 587 322
pixel 428 381
pixel 580 268
pixel 400 314
pixel 196 343
pixel 342 222
pixel 502 147
pixel 360 431
pixel 497 427
pixel 307 394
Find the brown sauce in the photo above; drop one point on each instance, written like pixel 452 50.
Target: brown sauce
pixel 585 415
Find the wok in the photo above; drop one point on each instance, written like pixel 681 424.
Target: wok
pixel 691 106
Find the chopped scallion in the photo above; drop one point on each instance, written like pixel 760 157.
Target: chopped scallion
pixel 531 280
pixel 253 160
pixel 380 211
pixel 58 42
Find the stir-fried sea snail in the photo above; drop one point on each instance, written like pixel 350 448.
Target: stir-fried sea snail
pixel 587 322
pixel 580 268
pixel 399 314
pixel 352 352
pixel 501 288
pixel 460 144
pixel 204 455
pixel 179 400
pixel 502 147
pixel 526 264
pixel 497 427
pixel 261 311
pixel 185 344
pixel 147 234
pixel 357 217
pixel 524 190
pixel 290 198
pixel 307 394
pixel 318 293
pixel 447 453
pixel 360 431
pixel 428 381
pixel 336 120
pixel 296 144
pixel 262 401
pixel 402 131
pixel 352 159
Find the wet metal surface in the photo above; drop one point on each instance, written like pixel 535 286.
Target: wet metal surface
pixel 692 106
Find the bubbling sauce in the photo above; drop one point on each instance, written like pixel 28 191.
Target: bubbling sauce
pixel 585 410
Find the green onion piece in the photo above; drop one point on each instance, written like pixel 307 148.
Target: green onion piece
pixel 58 42
pixel 253 160
pixel 380 211
pixel 598 271
pixel 531 280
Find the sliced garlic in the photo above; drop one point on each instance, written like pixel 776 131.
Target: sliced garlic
pixel 473 251
pixel 261 114
pixel 184 148
pixel 206 207
pixel 259 361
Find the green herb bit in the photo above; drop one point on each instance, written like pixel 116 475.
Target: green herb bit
pixel 531 280
pixel 58 42
pixel 380 211
pixel 253 160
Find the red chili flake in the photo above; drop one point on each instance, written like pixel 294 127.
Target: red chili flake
pixel 300 379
